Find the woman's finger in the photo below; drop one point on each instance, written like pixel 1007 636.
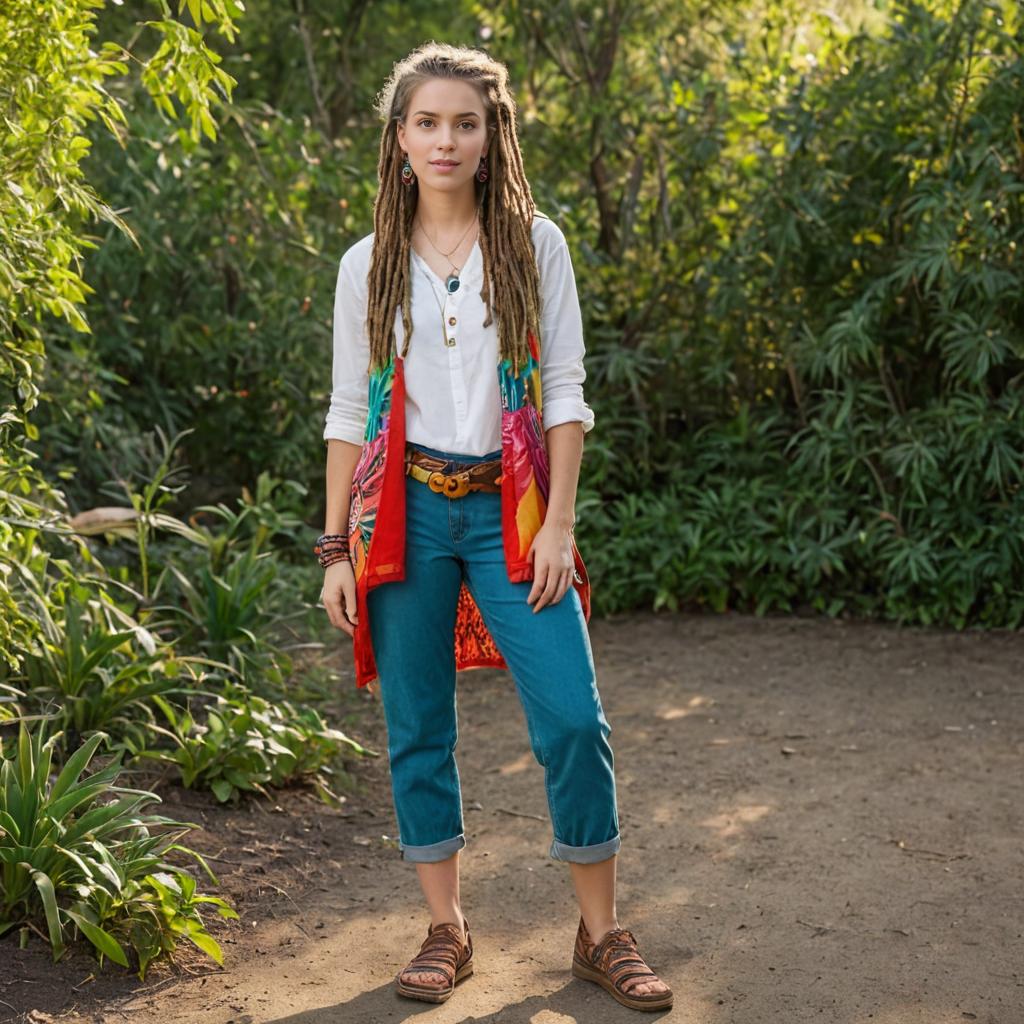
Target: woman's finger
pixel 563 585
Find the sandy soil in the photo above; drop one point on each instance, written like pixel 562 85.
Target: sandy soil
pixel 821 821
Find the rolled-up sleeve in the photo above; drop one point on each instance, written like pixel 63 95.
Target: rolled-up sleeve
pixel 346 416
pixel 561 327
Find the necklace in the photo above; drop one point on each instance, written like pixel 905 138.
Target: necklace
pixel 449 342
pixel 451 282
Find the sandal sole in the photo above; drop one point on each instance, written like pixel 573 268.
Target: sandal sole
pixel 434 995
pixel 587 973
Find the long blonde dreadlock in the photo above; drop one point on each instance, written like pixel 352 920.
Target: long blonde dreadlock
pixel 505 205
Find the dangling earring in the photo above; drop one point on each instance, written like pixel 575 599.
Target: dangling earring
pixel 481 171
pixel 407 176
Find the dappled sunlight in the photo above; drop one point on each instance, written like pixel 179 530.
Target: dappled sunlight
pixel 666 814
pixel 694 704
pixel 538 957
pixel 532 961
pixel 520 764
pixel 730 824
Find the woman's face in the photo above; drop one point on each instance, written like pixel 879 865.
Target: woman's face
pixel 444 125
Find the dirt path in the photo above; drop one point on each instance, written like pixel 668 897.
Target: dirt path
pixel 821 822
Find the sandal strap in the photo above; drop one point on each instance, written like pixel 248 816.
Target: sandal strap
pixel 441 951
pixel 618 958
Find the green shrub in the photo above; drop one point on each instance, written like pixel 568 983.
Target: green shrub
pixel 223 597
pixel 77 854
pixel 246 743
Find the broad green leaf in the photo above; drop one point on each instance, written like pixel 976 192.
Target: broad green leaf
pixel 46 892
pixel 102 940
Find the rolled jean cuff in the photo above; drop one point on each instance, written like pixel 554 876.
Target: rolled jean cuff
pixel 435 851
pixel 586 854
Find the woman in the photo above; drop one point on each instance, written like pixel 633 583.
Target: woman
pixel 465 481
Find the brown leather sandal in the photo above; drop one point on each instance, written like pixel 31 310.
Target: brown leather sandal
pixel 444 952
pixel 615 964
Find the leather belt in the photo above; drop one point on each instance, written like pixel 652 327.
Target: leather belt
pixel 453 479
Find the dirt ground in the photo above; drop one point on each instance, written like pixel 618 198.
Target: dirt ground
pixel 821 821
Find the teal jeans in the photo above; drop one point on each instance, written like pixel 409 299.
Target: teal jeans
pixel 412 624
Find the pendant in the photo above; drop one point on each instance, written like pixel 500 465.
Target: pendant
pixel 451 282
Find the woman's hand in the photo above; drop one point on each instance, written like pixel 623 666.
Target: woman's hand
pixel 339 596
pixel 553 565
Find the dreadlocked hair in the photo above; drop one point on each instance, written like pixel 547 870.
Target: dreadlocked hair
pixel 505 204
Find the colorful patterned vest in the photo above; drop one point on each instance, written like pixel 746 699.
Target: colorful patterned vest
pixel 376 523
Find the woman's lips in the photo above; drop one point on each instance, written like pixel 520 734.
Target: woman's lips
pixel 443 167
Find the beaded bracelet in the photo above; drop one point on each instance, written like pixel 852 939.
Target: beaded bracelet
pixel 331 542
pixel 329 560
pixel 331 548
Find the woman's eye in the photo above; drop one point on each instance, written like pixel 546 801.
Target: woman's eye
pixel 424 121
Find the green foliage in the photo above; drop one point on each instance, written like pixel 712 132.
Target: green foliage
pixel 90 675
pixel 229 598
pixel 77 855
pixel 81 645
pixel 117 665
pixel 779 538
pixel 51 87
pixel 248 743
pixel 91 663
pixel 781 216
pixel 819 247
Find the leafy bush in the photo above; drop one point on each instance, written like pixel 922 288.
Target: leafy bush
pixel 748 523
pixel 246 743
pixel 90 663
pixel 94 665
pixel 807 368
pixel 76 854
pixel 228 599
pixel 91 676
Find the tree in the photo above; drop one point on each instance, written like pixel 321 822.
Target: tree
pixel 51 86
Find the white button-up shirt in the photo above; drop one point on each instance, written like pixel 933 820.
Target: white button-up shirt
pixel 453 398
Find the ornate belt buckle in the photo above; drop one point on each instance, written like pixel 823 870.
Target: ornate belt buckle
pixel 454 485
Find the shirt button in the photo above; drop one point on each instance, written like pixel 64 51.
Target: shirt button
pixel 450 342
pixel 451 320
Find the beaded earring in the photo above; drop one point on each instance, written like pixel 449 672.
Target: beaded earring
pixel 481 171
pixel 407 175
